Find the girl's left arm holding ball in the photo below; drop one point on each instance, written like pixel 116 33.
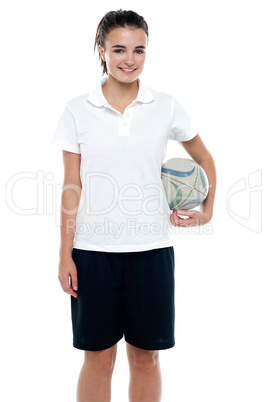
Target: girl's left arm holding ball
pixel 199 153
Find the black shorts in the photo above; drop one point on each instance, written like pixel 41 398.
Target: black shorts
pixel 128 294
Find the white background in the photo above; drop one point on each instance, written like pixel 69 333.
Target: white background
pixel 212 56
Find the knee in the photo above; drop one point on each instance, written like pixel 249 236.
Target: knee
pixel 103 360
pixel 142 360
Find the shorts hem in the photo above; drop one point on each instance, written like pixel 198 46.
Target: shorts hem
pixel 96 348
pixel 151 346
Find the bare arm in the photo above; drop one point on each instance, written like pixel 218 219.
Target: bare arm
pixel 71 193
pixel 199 153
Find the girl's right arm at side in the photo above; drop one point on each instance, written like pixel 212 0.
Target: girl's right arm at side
pixel 70 199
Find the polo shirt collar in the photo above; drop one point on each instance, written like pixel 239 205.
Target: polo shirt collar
pixel 96 97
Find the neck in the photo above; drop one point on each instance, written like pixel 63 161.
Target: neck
pixel 115 90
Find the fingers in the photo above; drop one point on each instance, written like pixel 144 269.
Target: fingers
pixel 69 283
pixel 184 212
pixel 184 218
pixel 177 220
pixel 74 281
pixel 174 218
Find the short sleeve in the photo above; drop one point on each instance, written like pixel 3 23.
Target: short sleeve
pixel 181 128
pixel 66 135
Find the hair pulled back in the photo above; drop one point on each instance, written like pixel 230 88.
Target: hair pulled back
pixel 116 19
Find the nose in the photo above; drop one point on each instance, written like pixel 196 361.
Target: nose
pixel 129 59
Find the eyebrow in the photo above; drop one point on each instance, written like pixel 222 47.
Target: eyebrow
pixel 124 47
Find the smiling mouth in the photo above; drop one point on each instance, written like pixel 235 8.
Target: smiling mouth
pixel 127 70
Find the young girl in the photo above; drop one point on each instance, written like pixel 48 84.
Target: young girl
pixel 116 255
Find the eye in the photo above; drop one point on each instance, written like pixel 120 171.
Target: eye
pixel 118 51
pixel 139 51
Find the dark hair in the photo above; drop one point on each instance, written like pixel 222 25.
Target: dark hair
pixel 116 19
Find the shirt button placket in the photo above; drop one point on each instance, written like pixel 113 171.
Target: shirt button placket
pixel 123 127
pixel 125 122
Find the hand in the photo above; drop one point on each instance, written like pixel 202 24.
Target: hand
pixel 187 218
pixel 67 269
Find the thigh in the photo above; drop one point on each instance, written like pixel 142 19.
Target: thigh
pixel 97 311
pixel 149 308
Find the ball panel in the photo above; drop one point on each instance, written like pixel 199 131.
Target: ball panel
pixel 178 196
pixel 192 203
pixel 178 173
pixel 185 183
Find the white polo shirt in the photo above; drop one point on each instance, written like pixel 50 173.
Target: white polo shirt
pixel 123 206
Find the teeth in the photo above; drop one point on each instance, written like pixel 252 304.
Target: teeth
pixel 128 69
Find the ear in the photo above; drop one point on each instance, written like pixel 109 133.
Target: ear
pixel 101 52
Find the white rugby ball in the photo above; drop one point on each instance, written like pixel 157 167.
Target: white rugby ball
pixel 185 183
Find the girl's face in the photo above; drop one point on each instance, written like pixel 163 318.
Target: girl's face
pixel 125 53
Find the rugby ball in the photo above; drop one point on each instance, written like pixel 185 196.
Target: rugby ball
pixel 185 183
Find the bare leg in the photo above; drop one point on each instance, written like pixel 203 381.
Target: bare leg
pixel 94 383
pixel 145 377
